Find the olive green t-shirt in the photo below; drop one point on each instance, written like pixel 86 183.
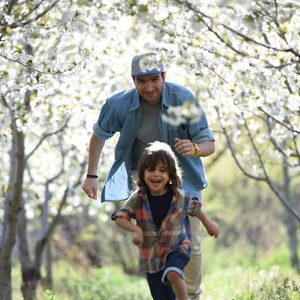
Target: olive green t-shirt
pixel 148 131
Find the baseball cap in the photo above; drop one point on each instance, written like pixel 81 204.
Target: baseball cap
pixel 146 64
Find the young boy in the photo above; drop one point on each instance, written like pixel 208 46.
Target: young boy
pixel 162 230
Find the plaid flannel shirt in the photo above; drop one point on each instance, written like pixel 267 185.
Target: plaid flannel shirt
pixel 174 233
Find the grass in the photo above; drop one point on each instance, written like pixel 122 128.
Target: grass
pixel 235 274
pixel 77 283
pixel 227 275
pixel 240 283
pixel 108 283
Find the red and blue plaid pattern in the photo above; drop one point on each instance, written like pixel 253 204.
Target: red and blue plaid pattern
pixel 174 233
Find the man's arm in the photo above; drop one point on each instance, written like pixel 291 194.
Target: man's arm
pixel 186 147
pixel 90 185
pixel 206 148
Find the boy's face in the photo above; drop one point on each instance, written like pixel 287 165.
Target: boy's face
pixel 156 179
pixel 150 87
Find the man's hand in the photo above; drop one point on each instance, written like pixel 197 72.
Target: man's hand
pixel 90 186
pixel 184 147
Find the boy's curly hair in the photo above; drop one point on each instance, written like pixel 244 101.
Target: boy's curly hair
pixel 155 153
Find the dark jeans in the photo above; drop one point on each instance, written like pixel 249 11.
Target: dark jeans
pixel 160 290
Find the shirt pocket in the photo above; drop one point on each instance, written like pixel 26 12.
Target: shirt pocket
pixel 180 131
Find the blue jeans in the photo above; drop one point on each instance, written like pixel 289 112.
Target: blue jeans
pixel 158 283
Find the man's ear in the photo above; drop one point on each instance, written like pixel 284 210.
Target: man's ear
pixel 164 76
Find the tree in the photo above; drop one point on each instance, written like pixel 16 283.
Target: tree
pixel 265 99
pixel 20 96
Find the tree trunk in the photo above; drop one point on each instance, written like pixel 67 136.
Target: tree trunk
pixel 291 226
pixel 47 281
pixel 29 274
pixel 30 270
pixel 12 207
pixel 289 220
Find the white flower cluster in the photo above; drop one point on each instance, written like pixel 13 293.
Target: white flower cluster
pixel 188 112
pixel 150 62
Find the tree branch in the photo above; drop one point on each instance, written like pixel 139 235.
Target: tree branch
pixel 45 136
pixel 238 33
pixel 38 16
pixel 266 178
pixel 279 122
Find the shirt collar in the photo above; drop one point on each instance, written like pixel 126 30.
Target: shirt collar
pixel 165 98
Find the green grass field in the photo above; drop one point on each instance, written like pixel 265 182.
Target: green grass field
pixel 227 275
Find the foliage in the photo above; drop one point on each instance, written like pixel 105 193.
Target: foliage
pixel 238 283
pixel 49 295
pixel 244 209
pixel 237 278
pixel 108 283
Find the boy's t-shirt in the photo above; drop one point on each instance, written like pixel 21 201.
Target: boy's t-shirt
pixel 160 206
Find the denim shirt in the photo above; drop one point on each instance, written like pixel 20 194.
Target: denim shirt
pixel 122 113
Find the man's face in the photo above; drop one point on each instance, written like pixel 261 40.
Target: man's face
pixel 150 87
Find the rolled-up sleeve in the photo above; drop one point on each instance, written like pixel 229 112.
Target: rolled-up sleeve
pixel 128 210
pixel 200 130
pixel 121 213
pixel 194 207
pixel 105 127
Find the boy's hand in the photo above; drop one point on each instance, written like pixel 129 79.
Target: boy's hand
pixel 137 238
pixel 212 229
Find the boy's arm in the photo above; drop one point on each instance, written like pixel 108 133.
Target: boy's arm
pixel 211 228
pixel 125 224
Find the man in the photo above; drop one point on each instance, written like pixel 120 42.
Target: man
pixel 137 115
